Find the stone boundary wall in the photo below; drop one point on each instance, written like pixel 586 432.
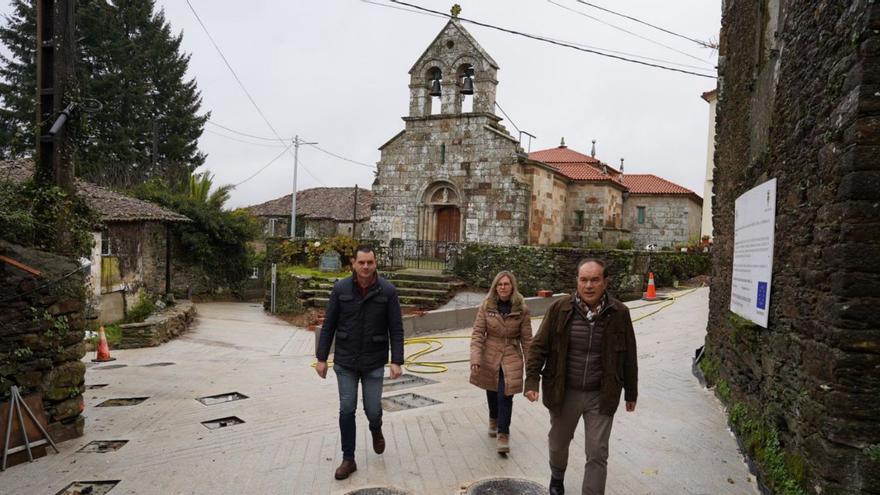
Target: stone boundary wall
pixel 555 269
pixel 798 102
pixel 158 328
pixel 41 336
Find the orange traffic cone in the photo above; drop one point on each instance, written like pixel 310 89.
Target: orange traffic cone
pixel 652 291
pixel 103 353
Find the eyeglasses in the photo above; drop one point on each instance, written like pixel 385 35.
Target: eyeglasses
pixel 504 284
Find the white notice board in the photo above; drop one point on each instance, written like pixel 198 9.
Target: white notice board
pixel 754 231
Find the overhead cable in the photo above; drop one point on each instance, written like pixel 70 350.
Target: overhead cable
pixel 613 26
pixel 558 43
pixel 704 44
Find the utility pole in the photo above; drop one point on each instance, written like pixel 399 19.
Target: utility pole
pixel 296 143
pixel 56 50
pixel 354 216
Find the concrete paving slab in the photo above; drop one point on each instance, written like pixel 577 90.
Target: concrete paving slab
pixel 676 442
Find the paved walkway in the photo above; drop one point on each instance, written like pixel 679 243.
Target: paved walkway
pixel 676 442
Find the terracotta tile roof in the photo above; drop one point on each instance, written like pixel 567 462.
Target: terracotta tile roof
pixel 319 203
pixel 575 165
pixel 111 206
pixel 651 184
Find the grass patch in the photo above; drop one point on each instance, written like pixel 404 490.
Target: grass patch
pixel 711 369
pixel 305 271
pixel 113 333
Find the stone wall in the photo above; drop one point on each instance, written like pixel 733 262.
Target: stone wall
pixel 159 327
pixel 555 269
pixel 41 335
pixel 601 205
pixel 798 102
pixel 549 195
pixel 669 220
pixel 473 158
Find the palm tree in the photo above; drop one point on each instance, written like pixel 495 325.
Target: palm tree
pixel 200 190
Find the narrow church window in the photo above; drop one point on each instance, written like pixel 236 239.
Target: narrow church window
pixel 579 219
pixel 442 152
pixel 641 210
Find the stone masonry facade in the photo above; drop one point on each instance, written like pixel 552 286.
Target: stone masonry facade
pixel 798 102
pixel 462 163
pixel 667 220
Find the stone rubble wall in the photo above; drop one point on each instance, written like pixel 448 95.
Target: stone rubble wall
pixel 158 328
pixel 798 103
pixel 41 336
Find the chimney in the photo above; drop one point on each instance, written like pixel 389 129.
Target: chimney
pixel 562 143
pixel 621 165
pixel 593 151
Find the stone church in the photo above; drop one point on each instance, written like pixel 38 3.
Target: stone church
pixel 454 173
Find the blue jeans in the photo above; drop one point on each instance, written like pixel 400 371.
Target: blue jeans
pixel 347 380
pixel 500 405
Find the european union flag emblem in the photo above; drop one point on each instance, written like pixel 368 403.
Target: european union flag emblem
pixel 762 295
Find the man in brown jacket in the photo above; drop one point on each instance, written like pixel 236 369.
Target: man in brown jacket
pixel 583 354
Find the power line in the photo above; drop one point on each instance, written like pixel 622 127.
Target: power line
pixel 240 83
pixel 613 26
pixel 362 164
pixel 558 43
pixel 704 44
pixel 591 47
pixel 264 167
pixel 279 145
pixel 245 134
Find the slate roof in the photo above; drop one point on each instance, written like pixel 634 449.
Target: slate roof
pixel 111 206
pixel 319 203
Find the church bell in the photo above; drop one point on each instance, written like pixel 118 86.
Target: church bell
pixel 467 87
pixel 435 88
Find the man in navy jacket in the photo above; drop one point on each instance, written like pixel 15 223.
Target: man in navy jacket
pixel 364 316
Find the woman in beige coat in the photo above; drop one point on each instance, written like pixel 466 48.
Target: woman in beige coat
pixel 501 337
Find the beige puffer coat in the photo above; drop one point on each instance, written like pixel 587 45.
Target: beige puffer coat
pixel 500 342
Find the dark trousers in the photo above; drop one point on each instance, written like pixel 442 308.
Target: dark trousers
pixel 500 405
pixel 371 383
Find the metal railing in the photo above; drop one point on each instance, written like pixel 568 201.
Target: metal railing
pixel 427 255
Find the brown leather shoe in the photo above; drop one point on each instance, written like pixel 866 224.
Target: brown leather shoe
pixel 347 467
pixel 378 441
pixel 503 443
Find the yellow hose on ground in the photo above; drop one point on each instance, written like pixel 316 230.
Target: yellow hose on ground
pixel 434 344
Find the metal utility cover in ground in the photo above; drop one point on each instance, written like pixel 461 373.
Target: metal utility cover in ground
pixel 379 490
pixel 102 446
pixel 90 487
pixel 406 381
pixel 127 401
pixel 153 365
pixel 501 486
pixel 407 401
pixel 96 385
pixel 210 400
pixel 213 424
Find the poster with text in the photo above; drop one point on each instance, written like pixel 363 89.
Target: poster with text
pixel 754 231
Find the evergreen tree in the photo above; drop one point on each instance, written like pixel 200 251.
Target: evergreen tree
pixel 18 76
pixel 130 61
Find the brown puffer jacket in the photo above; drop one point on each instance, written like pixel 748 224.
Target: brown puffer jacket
pixel 501 341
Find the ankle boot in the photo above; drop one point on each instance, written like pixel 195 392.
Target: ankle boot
pixel 503 443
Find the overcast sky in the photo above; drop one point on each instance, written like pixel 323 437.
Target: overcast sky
pixel 335 71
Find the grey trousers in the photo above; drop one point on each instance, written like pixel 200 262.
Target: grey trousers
pixel 597 430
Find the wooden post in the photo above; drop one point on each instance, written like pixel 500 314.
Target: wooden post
pixel 56 50
pixel 354 216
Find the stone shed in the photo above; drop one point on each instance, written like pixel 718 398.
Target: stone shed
pixel 320 212
pixel 132 247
